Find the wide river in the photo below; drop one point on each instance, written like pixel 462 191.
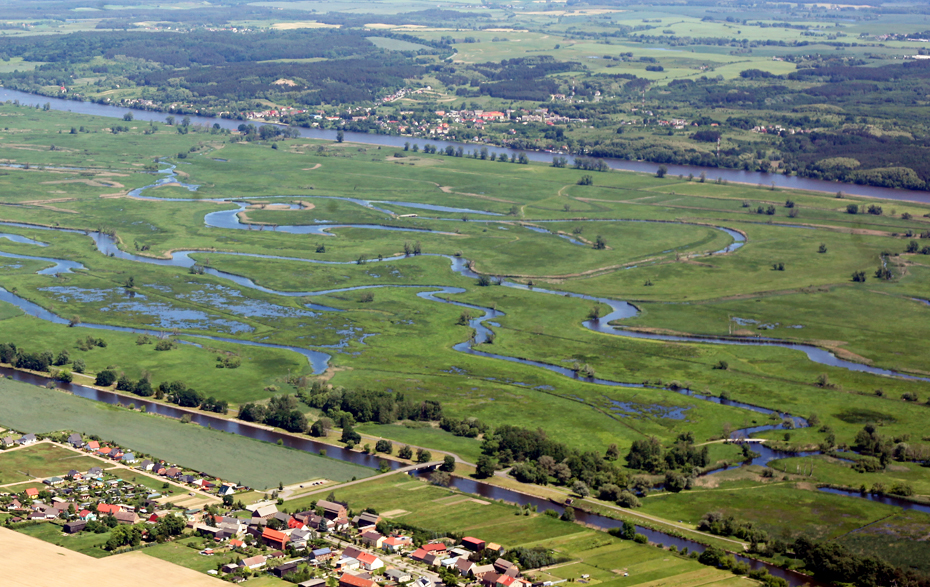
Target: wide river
pixel 734 175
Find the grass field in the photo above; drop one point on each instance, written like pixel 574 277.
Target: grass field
pixel 41 460
pixel 87 543
pixel 812 513
pixel 253 463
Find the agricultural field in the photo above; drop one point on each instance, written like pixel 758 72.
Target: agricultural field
pixel 603 557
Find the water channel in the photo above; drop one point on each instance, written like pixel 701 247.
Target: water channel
pixel 733 175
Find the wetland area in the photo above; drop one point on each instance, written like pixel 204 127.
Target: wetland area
pixel 634 315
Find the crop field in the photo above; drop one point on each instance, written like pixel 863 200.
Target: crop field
pixel 227 456
pixel 38 563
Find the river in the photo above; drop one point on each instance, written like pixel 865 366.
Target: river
pixel 730 175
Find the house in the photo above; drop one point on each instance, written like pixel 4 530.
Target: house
pixel 126 517
pixel 146 465
pixel 373 539
pixel 479 571
pixel 54 481
pixel 370 562
pixel 74 527
pixel 76 441
pixel 449 563
pixel 351 552
pixel 464 566
pixel 186 478
pixel 313 583
pixel 435 547
pixel 274 538
pixel 173 473
pixel 87 515
pixel 26 439
pixel 105 509
pixel 473 544
pixel 347 563
pixel 32 492
pixel 230 568
pixel 158 469
pixel 395 543
pixel 264 511
pixel 236 543
pixel 349 580
pixel 226 490
pixel 423 582
pixel 94 472
pixel 398 576
pixel 104 451
pixel 434 552
pixel 366 520
pixel 332 510
pixel 505 567
pixel 285 569
pixel 92 446
pixel 14 505
pixel 502 581
pixel 75 475
pixel 295 524
pixel 253 562
pixel 341 524
pixel 7 441
pixel 299 538
pixel 433 559
pixel 495 547
pixel 321 524
pixel 321 554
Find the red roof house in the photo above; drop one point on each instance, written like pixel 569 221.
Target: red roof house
pixel 348 580
pixel 274 538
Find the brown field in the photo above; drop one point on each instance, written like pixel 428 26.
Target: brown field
pixel 30 562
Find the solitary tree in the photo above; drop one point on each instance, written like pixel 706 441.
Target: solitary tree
pixel 448 464
pixel 661 171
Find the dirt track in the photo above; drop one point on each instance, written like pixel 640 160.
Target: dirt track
pixel 30 562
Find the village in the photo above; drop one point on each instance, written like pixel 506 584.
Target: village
pixel 327 545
